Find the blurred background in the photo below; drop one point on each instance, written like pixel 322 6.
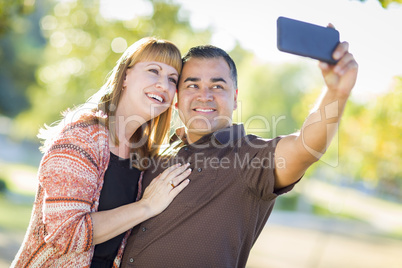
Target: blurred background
pixel 347 211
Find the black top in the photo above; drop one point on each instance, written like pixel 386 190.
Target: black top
pixel 120 187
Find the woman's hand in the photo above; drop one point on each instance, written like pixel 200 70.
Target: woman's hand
pixel 157 196
pixel 165 187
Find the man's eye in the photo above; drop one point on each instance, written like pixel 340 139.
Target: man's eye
pixel 218 87
pixel 192 86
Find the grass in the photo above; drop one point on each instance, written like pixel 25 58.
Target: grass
pixel 14 216
pixel 325 212
pixel 17 195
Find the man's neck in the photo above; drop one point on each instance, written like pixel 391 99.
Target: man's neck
pixel 194 137
pixel 188 135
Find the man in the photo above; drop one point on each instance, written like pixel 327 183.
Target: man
pixel 236 177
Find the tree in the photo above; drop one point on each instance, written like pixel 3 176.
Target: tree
pixel 386 3
pixel 82 49
pixel 370 140
pixel 21 44
pixel 268 96
pixel 11 10
pixel 366 150
pixel 78 55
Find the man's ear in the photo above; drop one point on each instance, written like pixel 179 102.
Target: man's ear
pixel 235 100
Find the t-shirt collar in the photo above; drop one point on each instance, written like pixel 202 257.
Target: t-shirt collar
pixel 223 136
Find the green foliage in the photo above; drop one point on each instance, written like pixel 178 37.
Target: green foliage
pixel 14 216
pixel 370 141
pixel 3 186
pixel 269 96
pixel 10 10
pixel 386 3
pixel 287 202
pixel 60 54
pixel 82 49
pixel 323 211
pixel 367 145
pixel 20 48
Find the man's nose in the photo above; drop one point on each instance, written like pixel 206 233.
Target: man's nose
pixel 204 94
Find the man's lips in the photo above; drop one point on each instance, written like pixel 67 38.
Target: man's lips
pixel 204 109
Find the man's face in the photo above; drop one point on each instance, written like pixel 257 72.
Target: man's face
pixel 206 96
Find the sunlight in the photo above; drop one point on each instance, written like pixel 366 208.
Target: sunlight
pixel 372 32
pixel 125 9
pixel 119 44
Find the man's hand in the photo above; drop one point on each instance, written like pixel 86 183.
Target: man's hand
pixel 301 150
pixel 340 78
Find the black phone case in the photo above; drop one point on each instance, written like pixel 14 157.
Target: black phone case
pixel 306 39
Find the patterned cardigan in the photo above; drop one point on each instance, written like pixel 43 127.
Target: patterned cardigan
pixel 70 177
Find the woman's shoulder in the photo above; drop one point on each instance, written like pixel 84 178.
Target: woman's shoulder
pixel 92 126
pixel 85 131
pixel 90 123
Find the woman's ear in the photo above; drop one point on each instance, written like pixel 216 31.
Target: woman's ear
pixel 125 77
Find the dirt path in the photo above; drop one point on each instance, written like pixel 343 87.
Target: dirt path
pixel 296 240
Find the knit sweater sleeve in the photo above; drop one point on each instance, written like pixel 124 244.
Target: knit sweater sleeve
pixel 71 174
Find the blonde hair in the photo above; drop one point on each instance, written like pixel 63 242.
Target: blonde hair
pixel 103 104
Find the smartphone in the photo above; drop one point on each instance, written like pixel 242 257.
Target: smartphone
pixel 306 39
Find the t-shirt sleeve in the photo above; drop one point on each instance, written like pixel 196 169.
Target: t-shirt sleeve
pixel 259 173
pixel 286 189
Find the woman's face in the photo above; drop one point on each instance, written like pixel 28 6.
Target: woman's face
pixel 148 89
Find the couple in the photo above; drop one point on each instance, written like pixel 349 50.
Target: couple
pixel 93 189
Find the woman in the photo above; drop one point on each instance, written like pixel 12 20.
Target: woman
pixel 90 173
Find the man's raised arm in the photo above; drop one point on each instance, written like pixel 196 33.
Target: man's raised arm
pixel 300 150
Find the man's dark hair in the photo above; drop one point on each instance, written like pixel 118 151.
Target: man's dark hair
pixel 210 52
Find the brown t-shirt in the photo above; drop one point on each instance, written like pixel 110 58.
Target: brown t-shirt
pixel 216 219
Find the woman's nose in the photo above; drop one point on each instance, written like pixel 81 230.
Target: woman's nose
pixel 163 83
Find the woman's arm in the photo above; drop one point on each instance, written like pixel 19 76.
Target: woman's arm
pixel 157 196
pixel 69 175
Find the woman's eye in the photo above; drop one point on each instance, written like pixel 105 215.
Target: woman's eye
pixel 154 71
pixel 174 81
